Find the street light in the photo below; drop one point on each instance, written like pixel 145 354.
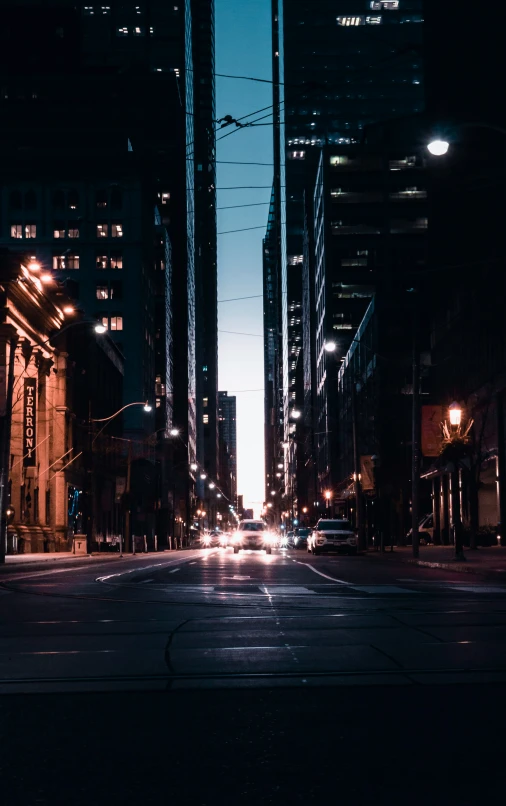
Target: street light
pixel 280 466
pixel 147 407
pixel 438 148
pixel 295 414
pixel 455 414
pixel 273 492
pixel 212 485
pixel 203 476
pixel 174 432
pixel 330 346
pixel 193 466
pixel 99 328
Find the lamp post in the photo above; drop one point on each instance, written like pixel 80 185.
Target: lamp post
pixel 92 439
pixel 455 439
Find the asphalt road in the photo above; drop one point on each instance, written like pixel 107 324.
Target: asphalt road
pixel 204 677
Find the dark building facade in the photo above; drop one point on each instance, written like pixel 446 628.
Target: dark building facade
pixel 115 213
pixel 341 66
pixel 370 236
pixel 227 413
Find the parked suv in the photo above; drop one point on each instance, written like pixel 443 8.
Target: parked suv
pixel 253 534
pixel 332 535
pixel 425 530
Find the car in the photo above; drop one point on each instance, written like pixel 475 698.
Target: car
pixel 210 540
pixel 425 529
pixel 289 539
pixel 332 535
pixel 253 534
pixel 301 537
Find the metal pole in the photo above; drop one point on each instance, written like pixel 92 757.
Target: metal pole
pixel 415 442
pixel 5 442
pixel 356 464
pixel 501 471
pixel 127 495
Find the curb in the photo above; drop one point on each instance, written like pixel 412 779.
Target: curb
pixel 461 569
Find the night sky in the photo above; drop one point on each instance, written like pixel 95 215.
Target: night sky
pixel 243 48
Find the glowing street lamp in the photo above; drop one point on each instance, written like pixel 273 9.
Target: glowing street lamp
pixel 328 495
pixel 438 148
pixel 455 414
pixel 193 466
pixel 212 485
pixel 203 476
pixel 330 346
pixel 295 414
pixel 174 432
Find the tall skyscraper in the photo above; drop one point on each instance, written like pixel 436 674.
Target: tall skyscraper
pixel 339 65
pixel 206 273
pixel 228 439
pixel 124 111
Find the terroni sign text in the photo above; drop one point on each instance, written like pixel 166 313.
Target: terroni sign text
pixel 29 422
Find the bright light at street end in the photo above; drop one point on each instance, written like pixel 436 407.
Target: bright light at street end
pixel 438 148
pixel 46 278
pixel 212 485
pixel 295 414
pixel 34 265
pixel 100 328
pixel 193 466
pixel 203 476
pixel 68 309
pixel 273 492
pixel 330 346
pixel 174 432
pixel 147 407
pixel 328 495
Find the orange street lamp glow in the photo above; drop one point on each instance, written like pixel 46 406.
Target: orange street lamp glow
pixel 328 495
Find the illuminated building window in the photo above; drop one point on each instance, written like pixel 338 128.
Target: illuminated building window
pixel 117 230
pixel 116 323
pixel 295 260
pixel 297 155
pixel 165 197
pixel 205 402
pixel 354 261
pixel 30 230
pixel 59 230
pixel 102 230
pixel 122 31
pixel 205 419
pixel 102 262
pixel 65 262
pixel 102 292
pixel 88 11
pixel 73 232
pixel 384 5
pixel 16 230
pixel 137 31
pixel 116 260
pixel 104 320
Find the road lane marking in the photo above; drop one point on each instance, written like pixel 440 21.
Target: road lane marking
pixel 381 589
pixel 143 581
pixel 174 570
pixel 320 573
pixel 284 589
pixel 193 563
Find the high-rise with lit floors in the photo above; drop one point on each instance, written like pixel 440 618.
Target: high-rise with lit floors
pixel 339 65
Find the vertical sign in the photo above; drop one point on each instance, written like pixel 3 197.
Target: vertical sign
pixel 431 430
pixel 29 422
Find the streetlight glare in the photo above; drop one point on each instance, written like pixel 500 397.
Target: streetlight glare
pixel 212 485
pixel 174 432
pixel 455 413
pixel 147 407
pixel 330 346
pixel 328 495
pixel 34 265
pixel 99 328
pixel 295 414
pixel 68 309
pixel 193 466
pixel 438 148
pixel 203 476
pixel 46 278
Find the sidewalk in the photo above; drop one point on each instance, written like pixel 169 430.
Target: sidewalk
pixel 47 557
pixel 485 561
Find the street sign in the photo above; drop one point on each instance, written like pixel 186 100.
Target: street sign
pixel 29 421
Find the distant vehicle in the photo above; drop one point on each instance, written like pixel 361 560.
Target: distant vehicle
pixel 425 530
pixel 225 539
pixel 300 537
pixel 332 535
pixel 290 539
pixel 252 534
pixel 210 540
